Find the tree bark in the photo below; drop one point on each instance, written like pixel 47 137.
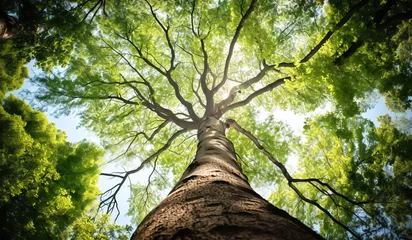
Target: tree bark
pixel 9 26
pixel 213 200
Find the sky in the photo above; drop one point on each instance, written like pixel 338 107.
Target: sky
pixel 70 124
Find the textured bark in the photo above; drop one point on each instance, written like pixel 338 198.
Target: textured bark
pixel 213 200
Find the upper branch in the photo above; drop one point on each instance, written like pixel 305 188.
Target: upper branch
pixel 196 92
pixel 166 32
pixel 158 108
pixel 255 94
pixel 376 24
pixel 232 45
pixel 234 90
pixel 328 35
pixel 203 74
pixel 210 102
pixel 167 73
pixel 95 9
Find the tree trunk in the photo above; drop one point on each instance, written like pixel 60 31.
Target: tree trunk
pixel 213 200
pixel 9 26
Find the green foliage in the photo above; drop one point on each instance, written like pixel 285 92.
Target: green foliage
pixel 46 182
pixel 99 227
pixel 48 30
pixel 12 69
pixel 364 163
pixel 142 200
pixel 130 71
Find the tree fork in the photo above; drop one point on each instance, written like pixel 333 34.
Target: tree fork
pixel 213 200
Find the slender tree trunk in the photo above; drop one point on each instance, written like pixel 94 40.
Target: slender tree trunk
pixel 213 200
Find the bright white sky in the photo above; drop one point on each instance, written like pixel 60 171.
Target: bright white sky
pixel 69 124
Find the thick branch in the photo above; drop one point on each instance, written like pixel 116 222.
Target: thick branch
pixel 376 24
pixel 196 92
pixel 233 92
pixel 395 19
pixel 348 53
pixel 203 74
pixel 95 9
pixel 328 35
pixel 168 76
pixel 160 111
pixel 168 73
pixel 255 94
pixel 210 102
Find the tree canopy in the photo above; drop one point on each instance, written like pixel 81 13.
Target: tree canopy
pixel 46 181
pixel 149 71
pixel 44 30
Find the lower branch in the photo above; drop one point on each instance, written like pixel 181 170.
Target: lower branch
pixel 289 178
pixel 110 202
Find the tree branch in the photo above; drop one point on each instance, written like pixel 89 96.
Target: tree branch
pixel 160 111
pixel 376 24
pixel 196 92
pixel 328 35
pixel 110 201
pixel 148 138
pixel 94 9
pixel 166 32
pixel 166 74
pixel 395 19
pixel 232 45
pixel 255 94
pixel 234 90
pixel 349 52
pixel 210 102
pixel 286 174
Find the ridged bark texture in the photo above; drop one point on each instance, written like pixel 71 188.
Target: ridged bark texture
pixel 213 200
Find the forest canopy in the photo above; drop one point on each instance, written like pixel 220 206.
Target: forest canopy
pixel 144 74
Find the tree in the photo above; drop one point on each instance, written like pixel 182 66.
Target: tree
pixel 154 72
pixel 46 182
pixel 45 31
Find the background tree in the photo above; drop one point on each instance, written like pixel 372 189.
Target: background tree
pixel 46 182
pixel 45 31
pixel 156 72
